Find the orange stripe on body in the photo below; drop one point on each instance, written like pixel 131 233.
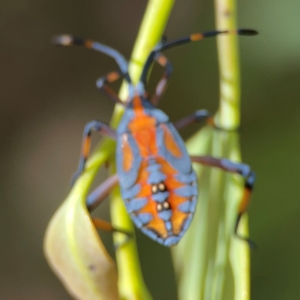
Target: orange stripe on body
pixel 171 183
pixel 141 120
pixel 170 142
pixel 127 153
pixel 143 130
pixel 178 216
pixel 156 223
pixel 177 220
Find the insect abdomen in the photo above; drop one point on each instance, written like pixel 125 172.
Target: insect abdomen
pixel 162 202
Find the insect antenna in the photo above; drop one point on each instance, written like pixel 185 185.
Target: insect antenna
pixel 69 40
pixel 188 39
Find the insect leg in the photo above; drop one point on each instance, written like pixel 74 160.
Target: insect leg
pixel 238 168
pixel 86 143
pixel 104 225
pixel 101 84
pixel 162 84
pixel 96 198
pixel 198 116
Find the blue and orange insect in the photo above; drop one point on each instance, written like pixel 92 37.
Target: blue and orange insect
pixel 154 170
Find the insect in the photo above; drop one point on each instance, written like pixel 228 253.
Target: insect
pixel 154 170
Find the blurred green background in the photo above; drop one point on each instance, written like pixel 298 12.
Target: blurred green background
pixel 48 94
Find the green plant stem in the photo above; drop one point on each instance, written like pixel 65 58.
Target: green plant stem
pixel 216 264
pixel 131 284
pixel 229 112
pixel 238 253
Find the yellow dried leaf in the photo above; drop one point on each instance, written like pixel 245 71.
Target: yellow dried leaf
pixel 75 252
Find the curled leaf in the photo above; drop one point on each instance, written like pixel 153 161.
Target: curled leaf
pixel 74 249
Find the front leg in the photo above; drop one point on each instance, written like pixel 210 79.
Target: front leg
pixel 162 84
pixel 237 168
pixel 86 143
pixel 102 85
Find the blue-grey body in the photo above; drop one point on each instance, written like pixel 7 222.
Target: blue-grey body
pixel 158 184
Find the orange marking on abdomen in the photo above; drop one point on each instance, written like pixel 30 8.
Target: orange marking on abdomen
pixel 178 216
pixel 145 191
pixel 176 200
pixel 171 183
pixel 157 224
pixel 170 142
pixel 127 154
pixel 177 220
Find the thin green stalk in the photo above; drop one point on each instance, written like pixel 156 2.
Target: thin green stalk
pixel 131 284
pixel 238 253
pixel 216 264
pixel 229 69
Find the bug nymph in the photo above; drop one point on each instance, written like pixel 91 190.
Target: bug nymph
pixel 155 173
pixel 154 170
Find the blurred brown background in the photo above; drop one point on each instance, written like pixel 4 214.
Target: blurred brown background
pixel 48 94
